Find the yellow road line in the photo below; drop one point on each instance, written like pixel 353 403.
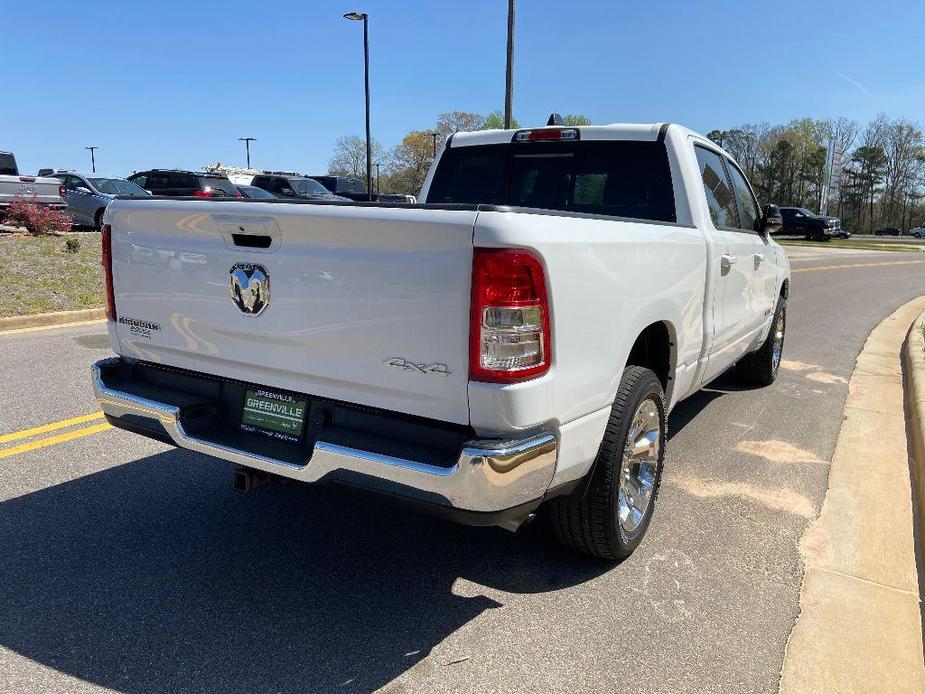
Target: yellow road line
pixel 35 431
pixel 52 440
pixel 853 265
pixel 16 331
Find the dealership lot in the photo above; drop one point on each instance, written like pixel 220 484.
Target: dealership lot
pixel 129 565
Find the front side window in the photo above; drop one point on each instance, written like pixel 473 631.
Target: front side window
pixel 749 213
pixel 720 198
pixel 615 178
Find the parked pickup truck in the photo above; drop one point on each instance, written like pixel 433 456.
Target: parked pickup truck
pixel 516 339
pixel 40 190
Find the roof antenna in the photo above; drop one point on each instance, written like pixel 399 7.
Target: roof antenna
pixel 554 119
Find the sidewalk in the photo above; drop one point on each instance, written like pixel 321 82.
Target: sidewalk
pixel 860 626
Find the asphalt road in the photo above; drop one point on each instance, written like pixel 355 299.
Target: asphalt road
pixel 128 565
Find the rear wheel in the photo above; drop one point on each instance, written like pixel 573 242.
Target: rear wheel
pixel 760 368
pixel 612 518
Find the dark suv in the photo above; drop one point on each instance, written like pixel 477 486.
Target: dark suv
pixel 815 227
pixel 293 186
pixel 346 186
pixel 177 183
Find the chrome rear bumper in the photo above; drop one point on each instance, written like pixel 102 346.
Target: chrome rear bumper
pixel 489 476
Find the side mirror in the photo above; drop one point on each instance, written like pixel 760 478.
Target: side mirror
pixel 771 222
pixel 286 191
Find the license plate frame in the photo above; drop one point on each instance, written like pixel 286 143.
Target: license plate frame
pixel 274 414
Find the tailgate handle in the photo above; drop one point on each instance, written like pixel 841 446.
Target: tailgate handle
pixel 252 240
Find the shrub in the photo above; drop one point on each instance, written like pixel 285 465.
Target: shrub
pixel 72 245
pixel 37 220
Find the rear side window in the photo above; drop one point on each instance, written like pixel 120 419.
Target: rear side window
pixel 616 178
pixel 716 184
pixel 139 180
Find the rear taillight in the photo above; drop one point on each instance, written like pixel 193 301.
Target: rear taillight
pixel 207 193
pixel 62 191
pixel 107 271
pixel 509 336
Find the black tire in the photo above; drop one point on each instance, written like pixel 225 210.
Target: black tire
pixel 98 219
pixel 761 368
pixel 592 524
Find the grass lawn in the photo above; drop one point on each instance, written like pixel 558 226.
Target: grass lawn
pixel 41 276
pixel 852 243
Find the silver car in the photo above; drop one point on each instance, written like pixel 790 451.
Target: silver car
pixel 88 194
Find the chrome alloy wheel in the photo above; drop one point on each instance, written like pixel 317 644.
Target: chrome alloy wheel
pixel 640 465
pixel 777 344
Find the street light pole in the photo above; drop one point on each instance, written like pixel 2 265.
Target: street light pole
pixel 357 16
pixel 509 73
pixel 92 157
pixel 247 147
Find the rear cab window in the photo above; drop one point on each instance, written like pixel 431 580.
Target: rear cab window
pixel 8 165
pixel 619 178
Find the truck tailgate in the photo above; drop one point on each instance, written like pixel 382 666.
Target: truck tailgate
pixel 31 189
pixel 366 305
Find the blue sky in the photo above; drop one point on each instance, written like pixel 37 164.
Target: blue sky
pixel 164 84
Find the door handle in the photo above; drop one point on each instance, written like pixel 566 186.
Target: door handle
pixel 759 257
pixel 726 262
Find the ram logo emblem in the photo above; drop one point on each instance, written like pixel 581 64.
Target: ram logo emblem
pixel 249 286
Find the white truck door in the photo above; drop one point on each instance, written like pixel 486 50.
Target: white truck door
pixel 762 258
pixel 734 298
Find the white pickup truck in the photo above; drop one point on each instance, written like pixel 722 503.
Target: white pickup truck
pixel 517 339
pixel 47 192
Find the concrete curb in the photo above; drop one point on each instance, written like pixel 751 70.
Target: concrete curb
pixel 914 374
pixel 860 623
pixel 45 320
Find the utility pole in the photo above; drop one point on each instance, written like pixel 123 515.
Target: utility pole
pixel 434 135
pixel 92 157
pixel 247 147
pixel 509 73
pixel 378 189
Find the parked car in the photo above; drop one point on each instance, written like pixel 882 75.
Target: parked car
pixel 888 231
pixel 842 234
pixel 918 232
pixel 87 195
pixel 453 354
pixel 815 227
pixel 294 186
pixel 44 191
pixel 345 186
pixel 180 183
pixel 255 193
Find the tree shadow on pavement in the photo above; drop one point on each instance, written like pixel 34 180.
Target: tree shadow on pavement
pixel 157 576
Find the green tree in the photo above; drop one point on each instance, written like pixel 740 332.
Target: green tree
pixel 495 121
pixel 575 119
pixel 410 161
